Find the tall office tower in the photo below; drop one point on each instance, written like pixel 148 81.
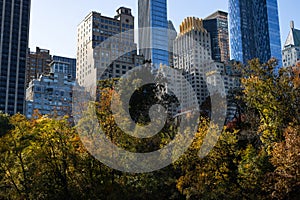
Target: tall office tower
pixel 14 29
pixel 254 30
pixel 192 49
pixel 153 31
pixel 291 49
pixel 172 34
pixel 38 62
pixel 217 25
pixel 94 58
pixel 192 54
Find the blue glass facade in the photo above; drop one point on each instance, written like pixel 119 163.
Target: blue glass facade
pixel 254 30
pixel 274 31
pixel 153 42
pixel 14 29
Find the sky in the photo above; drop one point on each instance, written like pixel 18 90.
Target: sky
pixel 53 23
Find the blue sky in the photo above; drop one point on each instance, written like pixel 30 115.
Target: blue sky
pixel 54 23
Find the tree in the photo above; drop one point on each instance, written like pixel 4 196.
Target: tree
pixel 252 169
pixel 4 124
pixel 273 97
pixel 284 182
pixel 15 162
pixel 214 176
pixel 272 113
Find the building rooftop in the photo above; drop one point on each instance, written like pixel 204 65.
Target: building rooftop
pixel 293 38
pixel 119 11
pixel 191 23
pixel 217 14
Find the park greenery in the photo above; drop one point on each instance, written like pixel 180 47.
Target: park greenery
pixel 257 155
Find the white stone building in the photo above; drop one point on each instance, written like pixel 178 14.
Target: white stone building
pixel 291 49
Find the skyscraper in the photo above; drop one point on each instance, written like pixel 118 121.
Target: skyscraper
pixel 192 55
pixel 254 30
pixel 291 48
pixel 14 29
pixel 172 34
pixel 217 25
pixel 100 38
pixel 153 31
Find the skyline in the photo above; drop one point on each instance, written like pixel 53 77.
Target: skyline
pixel 54 27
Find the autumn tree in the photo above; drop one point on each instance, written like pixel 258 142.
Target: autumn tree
pixel 4 123
pixel 273 97
pixel 284 181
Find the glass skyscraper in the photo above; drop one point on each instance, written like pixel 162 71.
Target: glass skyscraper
pixel 153 30
pixel 217 25
pixel 14 29
pixel 254 30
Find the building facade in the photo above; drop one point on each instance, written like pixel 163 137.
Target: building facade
pixel 153 31
pixel 224 78
pixel 291 49
pixel 51 94
pixel 254 30
pixel 105 46
pixel 192 55
pixel 217 25
pixel 179 87
pixel 70 62
pixel 172 34
pixel 38 62
pixel 14 29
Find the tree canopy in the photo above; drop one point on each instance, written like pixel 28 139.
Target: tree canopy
pixel 257 155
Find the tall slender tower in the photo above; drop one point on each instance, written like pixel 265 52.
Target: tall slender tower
pixel 192 55
pixel 172 34
pixel 254 30
pixel 217 25
pixel 14 29
pixel 153 30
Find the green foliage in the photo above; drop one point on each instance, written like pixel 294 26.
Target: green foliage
pixel 4 123
pixel 253 167
pixel 273 97
pixel 256 156
pixel 214 176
